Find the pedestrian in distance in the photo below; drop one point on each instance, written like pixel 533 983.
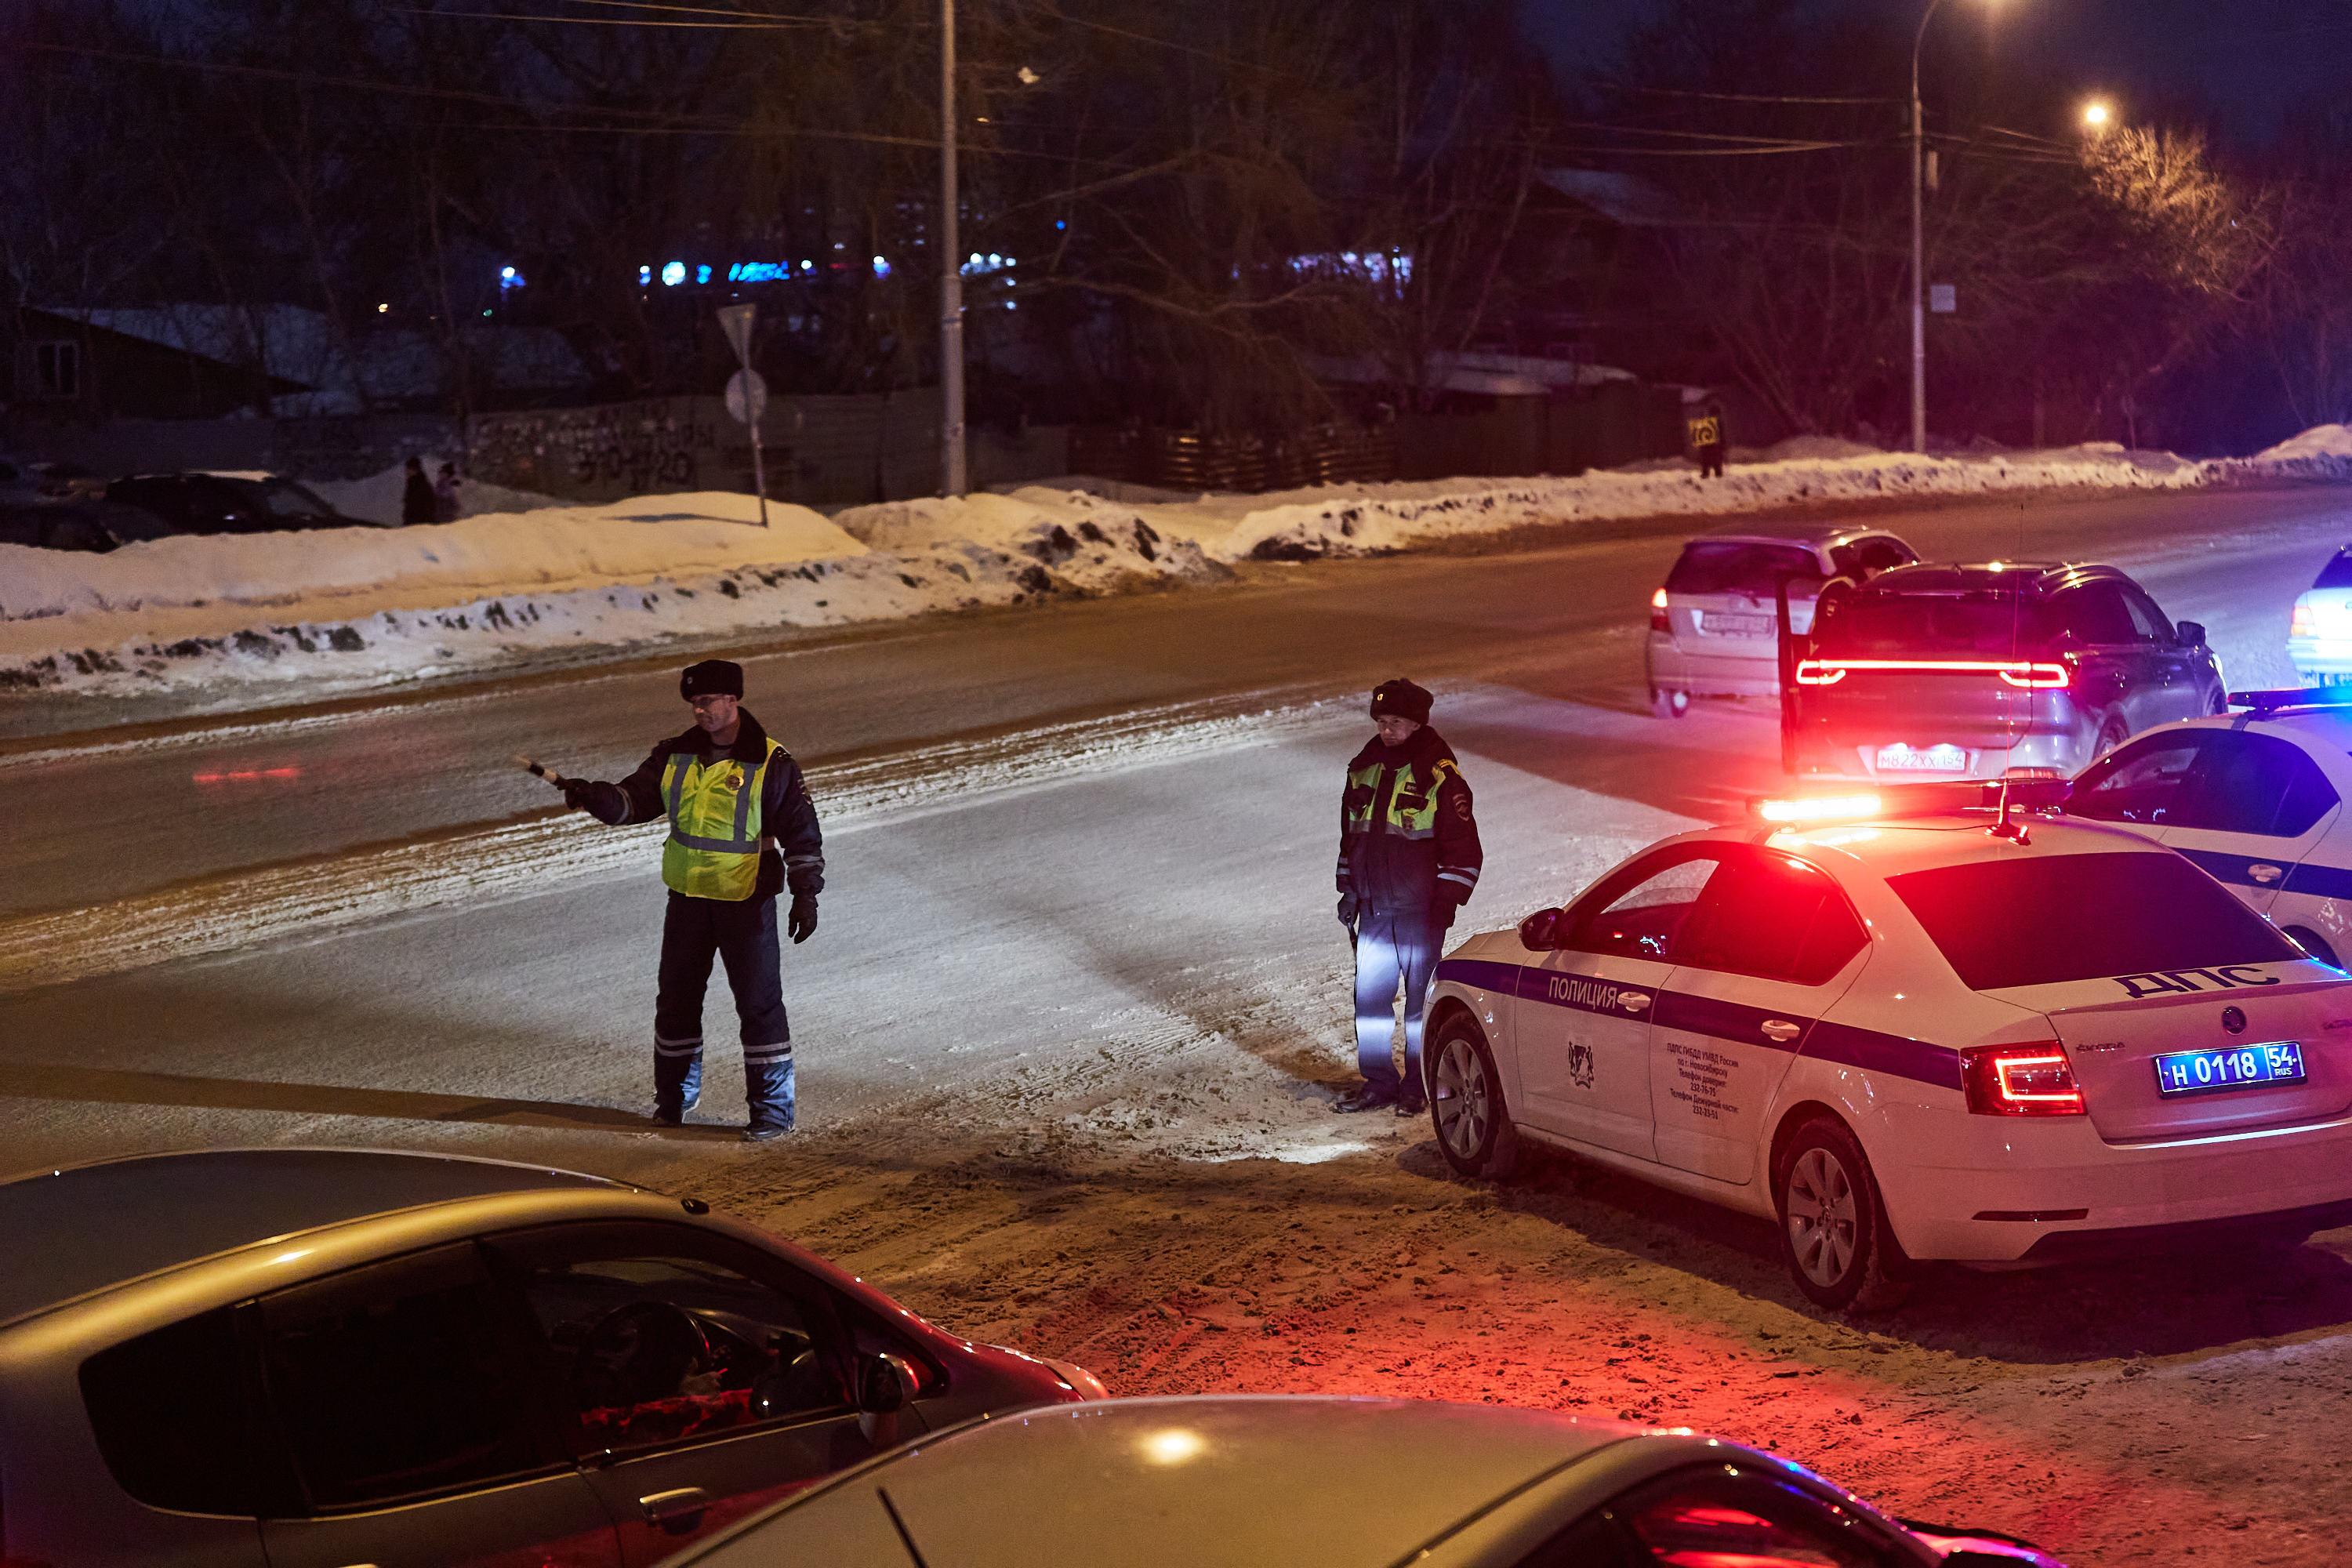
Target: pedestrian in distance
pixel 727 788
pixel 445 494
pixel 1705 427
pixel 416 501
pixel 1409 856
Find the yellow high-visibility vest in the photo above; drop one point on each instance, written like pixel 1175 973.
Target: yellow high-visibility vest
pixel 714 824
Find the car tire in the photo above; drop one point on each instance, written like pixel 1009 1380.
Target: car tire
pixel 1465 1103
pixel 1834 1232
pixel 2312 943
pixel 1668 704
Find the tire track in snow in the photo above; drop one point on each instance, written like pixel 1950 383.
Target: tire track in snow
pixel 524 858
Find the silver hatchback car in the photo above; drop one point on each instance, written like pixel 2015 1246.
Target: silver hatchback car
pixel 1715 623
pixel 309 1358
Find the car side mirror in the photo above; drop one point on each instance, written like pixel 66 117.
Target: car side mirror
pixel 1539 932
pixel 886 1384
pixel 2192 633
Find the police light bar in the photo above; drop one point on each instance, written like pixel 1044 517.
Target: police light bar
pixel 1815 808
pixel 2293 697
pixel 1937 797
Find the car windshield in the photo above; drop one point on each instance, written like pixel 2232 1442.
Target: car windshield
pixel 1731 566
pixel 2337 572
pixel 1970 624
pixel 2046 920
pixel 287 499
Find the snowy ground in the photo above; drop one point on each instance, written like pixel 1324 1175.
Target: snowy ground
pixel 351 609
pixel 1071 1026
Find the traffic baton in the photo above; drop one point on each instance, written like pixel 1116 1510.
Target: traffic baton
pixel 540 770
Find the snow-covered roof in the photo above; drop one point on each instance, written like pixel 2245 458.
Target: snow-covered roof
pixel 1626 199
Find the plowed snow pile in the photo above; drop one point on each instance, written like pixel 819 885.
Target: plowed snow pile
pixel 350 607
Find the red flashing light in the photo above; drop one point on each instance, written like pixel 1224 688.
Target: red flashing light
pixel 1658 621
pixel 2021 1080
pixel 1817 808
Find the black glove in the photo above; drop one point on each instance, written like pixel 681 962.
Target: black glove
pixel 577 794
pixel 801 921
pixel 1347 911
pixel 1444 905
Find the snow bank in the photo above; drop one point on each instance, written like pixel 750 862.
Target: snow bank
pixel 342 608
pixel 377 499
pixel 2319 441
pixel 362 607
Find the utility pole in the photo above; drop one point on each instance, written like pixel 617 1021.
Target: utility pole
pixel 1919 242
pixel 953 478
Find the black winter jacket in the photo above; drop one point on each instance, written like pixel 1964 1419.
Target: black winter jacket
pixel 787 814
pixel 1408 834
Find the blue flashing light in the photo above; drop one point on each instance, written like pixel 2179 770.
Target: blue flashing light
pixel 644 277
pixel 881 268
pixel 508 276
pixel 1061 222
pixel 673 274
pixel 702 273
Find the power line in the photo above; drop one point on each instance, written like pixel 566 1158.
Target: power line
pixel 1745 97
pixel 792 25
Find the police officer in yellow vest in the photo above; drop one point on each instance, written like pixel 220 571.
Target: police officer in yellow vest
pixel 1409 855
pixel 726 788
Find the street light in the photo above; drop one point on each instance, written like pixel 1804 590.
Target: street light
pixel 1919 241
pixel 2097 115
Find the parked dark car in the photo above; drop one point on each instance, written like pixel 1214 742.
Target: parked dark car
pixel 269 1357
pixel 229 503
pixel 1971 671
pixel 93 525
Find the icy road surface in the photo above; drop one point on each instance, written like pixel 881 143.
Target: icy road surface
pixel 1070 1029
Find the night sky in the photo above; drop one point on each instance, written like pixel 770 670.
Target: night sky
pixel 2252 58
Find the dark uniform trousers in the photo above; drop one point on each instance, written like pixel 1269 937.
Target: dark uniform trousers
pixel 743 934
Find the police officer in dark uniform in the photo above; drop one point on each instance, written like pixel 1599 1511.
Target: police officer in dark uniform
pixel 727 788
pixel 1706 439
pixel 1409 855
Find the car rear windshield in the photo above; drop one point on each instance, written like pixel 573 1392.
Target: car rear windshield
pixel 1726 566
pixel 2337 572
pixel 2046 920
pixel 1970 624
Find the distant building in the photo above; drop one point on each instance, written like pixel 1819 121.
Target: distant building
pixel 213 361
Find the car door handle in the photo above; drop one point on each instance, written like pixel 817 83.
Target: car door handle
pixel 1632 1000
pixel 1780 1028
pixel 678 1511
pixel 2264 873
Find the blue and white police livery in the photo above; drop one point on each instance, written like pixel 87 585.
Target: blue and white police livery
pixel 2254 797
pixel 1913 1038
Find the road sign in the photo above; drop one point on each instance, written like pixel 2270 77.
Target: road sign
pixel 1942 297
pixel 747 396
pixel 735 322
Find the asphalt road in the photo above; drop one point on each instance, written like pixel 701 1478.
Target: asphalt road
pixel 102 814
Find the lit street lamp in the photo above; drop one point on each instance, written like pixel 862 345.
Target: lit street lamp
pixel 1919 241
pixel 2097 115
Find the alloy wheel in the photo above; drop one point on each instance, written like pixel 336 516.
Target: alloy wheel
pixel 1823 1217
pixel 1462 1102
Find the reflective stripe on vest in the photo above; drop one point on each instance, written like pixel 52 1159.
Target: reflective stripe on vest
pixel 713 850
pixel 1416 821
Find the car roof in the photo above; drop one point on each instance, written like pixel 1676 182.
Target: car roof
pixel 1815 539
pixel 1189 1483
pixel 87 1227
pixel 2030 576
pixel 1889 847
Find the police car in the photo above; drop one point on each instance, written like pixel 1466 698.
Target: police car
pixel 1907 1027
pixel 2256 798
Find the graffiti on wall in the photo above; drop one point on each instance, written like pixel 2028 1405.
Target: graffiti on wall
pixel 601 453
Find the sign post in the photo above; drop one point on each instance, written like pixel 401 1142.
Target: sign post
pixel 747 393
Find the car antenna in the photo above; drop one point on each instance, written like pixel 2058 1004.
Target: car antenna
pixel 2005 826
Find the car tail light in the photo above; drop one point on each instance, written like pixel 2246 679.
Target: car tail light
pixel 2021 1080
pixel 2036 676
pixel 2303 622
pixel 1658 622
pixel 1818 672
pixel 2030 677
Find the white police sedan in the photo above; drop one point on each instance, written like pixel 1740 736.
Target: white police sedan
pixel 2256 798
pixel 1980 1037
